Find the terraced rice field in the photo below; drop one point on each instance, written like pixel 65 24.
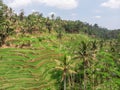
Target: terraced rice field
pixel 26 69
pixel 30 68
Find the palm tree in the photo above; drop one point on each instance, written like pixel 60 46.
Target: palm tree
pixel 66 66
pixel 52 16
pixel 2 24
pixel 94 61
pixel 84 55
pixel 21 15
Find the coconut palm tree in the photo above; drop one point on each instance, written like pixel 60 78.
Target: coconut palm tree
pixel 84 55
pixel 66 66
pixel 21 15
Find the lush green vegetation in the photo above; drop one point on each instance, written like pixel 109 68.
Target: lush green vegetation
pixel 38 53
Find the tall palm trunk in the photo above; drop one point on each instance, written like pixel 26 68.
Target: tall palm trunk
pixel 65 82
pixel 93 81
pixel 93 69
pixel 85 81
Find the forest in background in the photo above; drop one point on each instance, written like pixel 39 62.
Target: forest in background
pixel 35 22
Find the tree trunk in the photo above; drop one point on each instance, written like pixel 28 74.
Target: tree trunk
pixel 65 82
pixel 84 75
